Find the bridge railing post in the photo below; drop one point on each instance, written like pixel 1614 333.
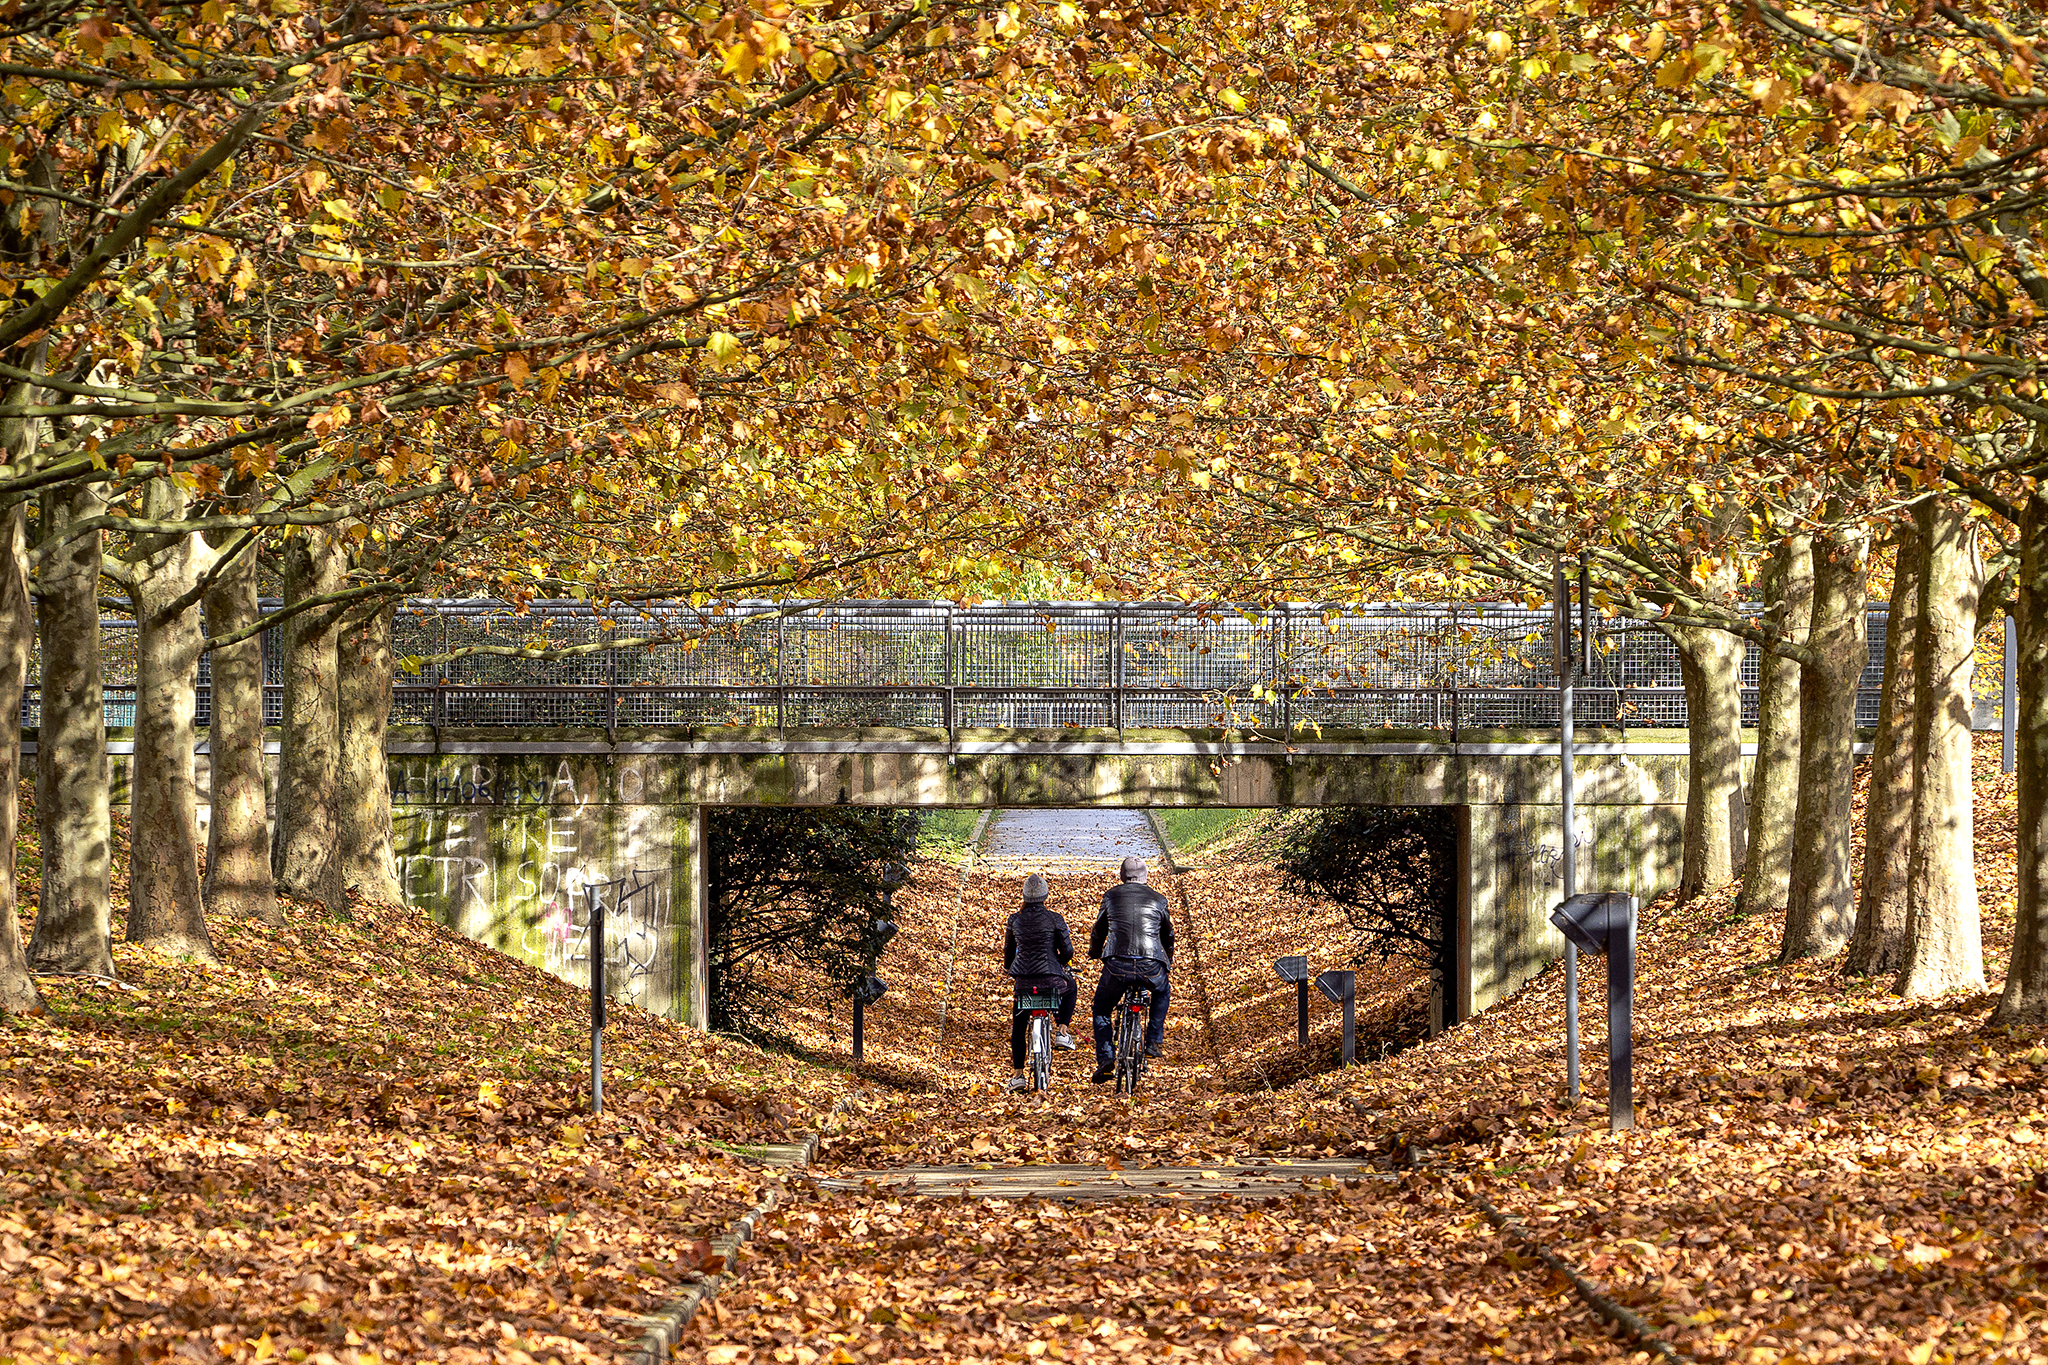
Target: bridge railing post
pixel 781 675
pixel 1116 668
pixel 1283 642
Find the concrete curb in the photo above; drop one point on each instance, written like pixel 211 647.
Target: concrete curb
pixel 663 1330
pixel 1624 1320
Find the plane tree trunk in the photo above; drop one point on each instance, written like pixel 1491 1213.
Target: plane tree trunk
pixel 365 704
pixel 1710 662
pixel 308 832
pixel 164 907
pixel 18 994
pixel 2025 998
pixel 1878 944
pixel 1944 941
pixel 74 925
pixel 1819 909
pixel 238 880
pixel 1774 777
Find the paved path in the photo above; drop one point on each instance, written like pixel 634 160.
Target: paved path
pixel 1071 841
pixel 1157 1184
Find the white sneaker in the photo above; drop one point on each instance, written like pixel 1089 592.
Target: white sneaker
pixel 1063 1041
pixel 1016 1083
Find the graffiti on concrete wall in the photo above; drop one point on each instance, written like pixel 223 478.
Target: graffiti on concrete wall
pixel 424 781
pixel 639 918
pixel 1544 858
pixel 510 855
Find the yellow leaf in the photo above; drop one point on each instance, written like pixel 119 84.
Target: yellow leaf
pixel 723 347
pixel 740 60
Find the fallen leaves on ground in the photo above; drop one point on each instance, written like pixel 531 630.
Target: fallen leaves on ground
pixel 1368 1271
pixel 361 1140
pixel 937 1045
pixel 1823 1172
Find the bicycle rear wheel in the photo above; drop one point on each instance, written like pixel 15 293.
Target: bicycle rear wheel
pixel 1041 1052
pixel 1130 1051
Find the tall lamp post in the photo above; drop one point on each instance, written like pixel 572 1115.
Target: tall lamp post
pixel 1573 658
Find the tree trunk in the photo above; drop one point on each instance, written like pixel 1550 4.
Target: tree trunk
pixel 1944 943
pixel 1711 663
pixel 365 690
pixel 309 770
pixel 1878 946
pixel 1819 906
pixel 74 924
pixel 238 881
pixel 2025 1000
pixel 1774 777
pixel 164 906
pixel 18 993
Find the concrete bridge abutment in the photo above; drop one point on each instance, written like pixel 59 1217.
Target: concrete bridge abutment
pixel 500 837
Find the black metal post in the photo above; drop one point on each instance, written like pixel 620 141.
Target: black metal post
pixel 1621 995
pixel 594 942
pixel 860 1028
pixel 1350 1030
pixel 1301 1012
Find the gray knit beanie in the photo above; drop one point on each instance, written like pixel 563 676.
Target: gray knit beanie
pixel 1035 890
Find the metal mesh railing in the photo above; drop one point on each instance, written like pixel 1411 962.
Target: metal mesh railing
pixel 1042 665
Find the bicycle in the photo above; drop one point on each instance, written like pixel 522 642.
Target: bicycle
pixel 1038 1038
pixel 1130 1039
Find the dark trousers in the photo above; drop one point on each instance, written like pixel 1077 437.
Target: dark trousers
pixel 1119 974
pixel 1020 1021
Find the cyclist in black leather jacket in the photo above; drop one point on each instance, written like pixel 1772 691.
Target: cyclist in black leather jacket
pixel 1036 951
pixel 1133 936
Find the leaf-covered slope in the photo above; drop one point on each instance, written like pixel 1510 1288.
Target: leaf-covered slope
pixel 364 1134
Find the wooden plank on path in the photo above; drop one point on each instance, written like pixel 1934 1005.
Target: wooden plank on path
pixel 1263 1180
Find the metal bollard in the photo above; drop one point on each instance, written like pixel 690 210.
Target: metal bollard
pixel 1605 922
pixel 1295 969
pixel 1341 988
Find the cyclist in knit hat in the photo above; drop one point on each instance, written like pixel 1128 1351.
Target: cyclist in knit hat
pixel 1036 951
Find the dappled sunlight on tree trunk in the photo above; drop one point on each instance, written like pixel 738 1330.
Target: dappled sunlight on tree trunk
pixel 1819 912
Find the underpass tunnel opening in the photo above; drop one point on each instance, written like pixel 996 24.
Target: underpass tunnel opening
pixel 794 897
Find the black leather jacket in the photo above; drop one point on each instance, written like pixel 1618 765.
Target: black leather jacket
pixel 1037 942
pixel 1134 922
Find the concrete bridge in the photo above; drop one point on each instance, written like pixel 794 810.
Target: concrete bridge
pixel 498 835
